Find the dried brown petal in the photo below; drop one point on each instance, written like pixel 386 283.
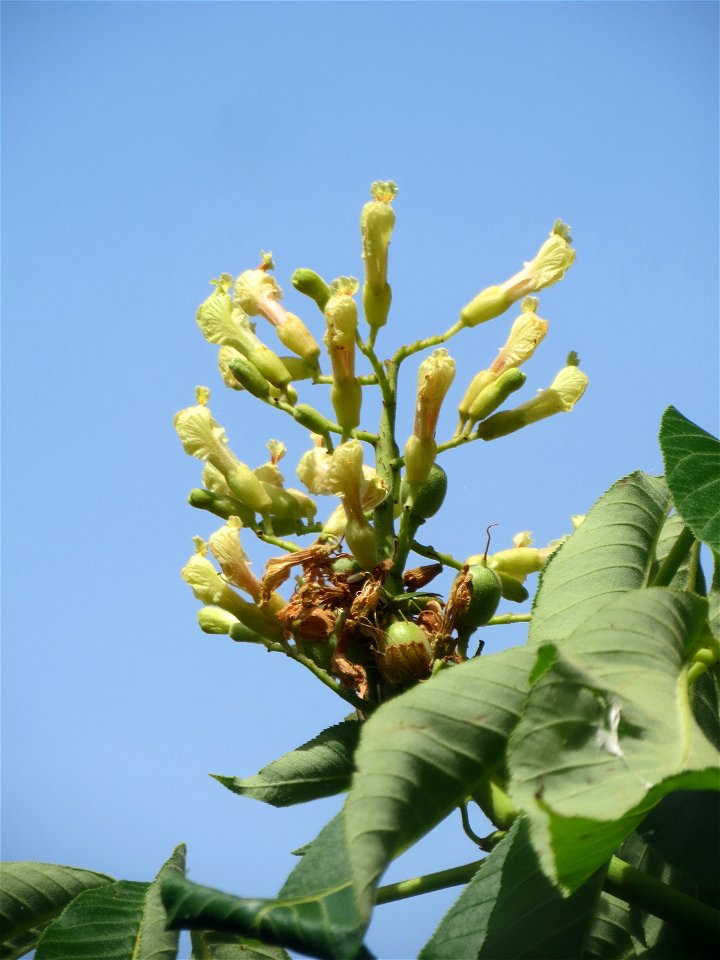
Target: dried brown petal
pixel 404 664
pixel 278 569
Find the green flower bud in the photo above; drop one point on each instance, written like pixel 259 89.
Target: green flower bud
pixel 512 588
pixel 488 304
pixel 560 397
pixel 313 420
pixel 298 368
pixel 312 285
pixel 221 506
pixel 403 653
pixel 242 634
pixel 215 620
pixel 248 375
pixel 489 399
pixel 517 562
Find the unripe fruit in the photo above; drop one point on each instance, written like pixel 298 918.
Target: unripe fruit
pixel 429 498
pixel 404 653
pixel 345 565
pixel 485 590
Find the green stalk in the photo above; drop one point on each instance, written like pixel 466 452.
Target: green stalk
pixel 671 563
pixel 509 618
pixel 419 345
pixel 426 884
pixel 386 452
pixel 432 554
pixel 692 916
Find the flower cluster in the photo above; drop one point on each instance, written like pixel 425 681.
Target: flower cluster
pixel 341 597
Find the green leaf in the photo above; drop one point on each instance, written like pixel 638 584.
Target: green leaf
pixel 124 920
pixel 692 468
pixel 320 768
pixel 706 705
pixel 510 910
pixel 421 753
pixel 610 553
pixel 593 752
pixel 315 912
pixel 23 943
pixel 31 894
pixel 221 946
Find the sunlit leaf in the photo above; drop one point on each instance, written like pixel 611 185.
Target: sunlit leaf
pixel 320 768
pixel 125 919
pixel 592 752
pixel 611 552
pixel 692 468
pixel 510 910
pixel 31 894
pixel 421 753
pixel 314 913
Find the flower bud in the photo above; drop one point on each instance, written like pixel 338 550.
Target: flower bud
pixel 249 377
pixel 221 506
pixel 561 396
pixel 313 420
pixel 489 399
pixel 342 319
pixel 312 285
pixel 517 562
pixel 377 220
pixel 346 399
pixel 360 538
pixel 345 478
pixel 215 620
pixel 419 456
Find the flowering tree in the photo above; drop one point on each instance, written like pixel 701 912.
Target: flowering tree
pixel 592 748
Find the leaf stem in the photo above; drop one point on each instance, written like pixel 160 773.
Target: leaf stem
pixel 671 563
pixel 688 914
pixel 427 883
pixel 509 618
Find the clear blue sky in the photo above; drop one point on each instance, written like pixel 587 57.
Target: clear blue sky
pixel 149 147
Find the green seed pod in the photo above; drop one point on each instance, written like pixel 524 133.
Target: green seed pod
pixel 312 285
pixel 224 507
pixel 486 590
pixel 247 374
pixel 511 588
pixel 429 498
pixel 487 305
pixel 345 566
pixel 403 653
pixel 346 398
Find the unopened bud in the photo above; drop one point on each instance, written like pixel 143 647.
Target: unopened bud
pixel 377 220
pixel 221 506
pixel 488 304
pixel 342 319
pixel 489 399
pixel 435 375
pixel 215 620
pixel 312 285
pixel 248 375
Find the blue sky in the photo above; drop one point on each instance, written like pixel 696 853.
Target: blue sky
pixel 149 147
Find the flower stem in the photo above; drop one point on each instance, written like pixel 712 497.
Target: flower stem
pixel 419 345
pixel 432 554
pixel 671 563
pixel 633 886
pixel 509 618
pixel 364 706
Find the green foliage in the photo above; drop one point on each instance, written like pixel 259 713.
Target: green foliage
pixel 592 748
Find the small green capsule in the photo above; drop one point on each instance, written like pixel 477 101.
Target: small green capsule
pixel 486 590
pixel 429 498
pixel 404 654
pixel 312 285
pixel 345 566
pixel 313 420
